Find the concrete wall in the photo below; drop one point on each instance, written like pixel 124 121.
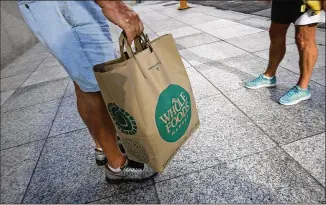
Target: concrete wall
pixel 16 37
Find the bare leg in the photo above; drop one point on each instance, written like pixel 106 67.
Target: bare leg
pixel 93 111
pixel 305 37
pixel 277 48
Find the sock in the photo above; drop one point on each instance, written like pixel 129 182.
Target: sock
pixel 114 170
pixel 99 149
pixel 269 78
pixel 300 88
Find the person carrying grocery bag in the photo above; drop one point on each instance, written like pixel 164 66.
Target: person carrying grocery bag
pixel 149 98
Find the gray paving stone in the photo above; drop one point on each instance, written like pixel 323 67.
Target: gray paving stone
pixel 318 75
pixel 223 136
pixel 291 31
pixel 233 31
pixel 162 6
pixel 310 153
pixel 45 75
pixel 180 32
pixel 210 52
pixel 185 63
pixel 202 8
pixel 196 18
pixel 146 195
pixel 67 173
pixel 195 40
pixel 284 124
pixel 291 58
pixel 68 118
pixel 34 94
pixel 140 9
pixel 39 57
pixel 265 13
pixel 152 36
pixel 49 63
pixel 70 89
pixel 17 165
pixel 27 124
pixel 213 25
pixel 267 177
pixel 228 15
pixel 17 69
pixel 152 16
pixel 200 86
pixel 114 33
pixel 257 22
pixel 12 83
pixel 255 42
pixel 37 49
pixel 320 37
pixel 165 25
pixel 6 95
pixel 175 13
pixel 233 73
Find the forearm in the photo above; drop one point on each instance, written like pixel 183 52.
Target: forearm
pixel 123 16
pixel 112 9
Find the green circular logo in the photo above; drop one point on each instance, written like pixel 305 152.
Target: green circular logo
pixel 173 113
pixel 123 120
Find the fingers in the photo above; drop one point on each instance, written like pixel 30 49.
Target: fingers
pixel 135 28
pixel 141 27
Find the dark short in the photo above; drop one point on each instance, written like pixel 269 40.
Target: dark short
pixel 286 11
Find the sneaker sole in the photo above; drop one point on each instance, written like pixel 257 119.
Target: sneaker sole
pixel 120 181
pixel 261 86
pixel 296 102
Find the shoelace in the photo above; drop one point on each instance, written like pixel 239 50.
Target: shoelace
pixel 293 91
pixel 258 79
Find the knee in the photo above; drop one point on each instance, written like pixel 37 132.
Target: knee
pixel 304 41
pixel 276 37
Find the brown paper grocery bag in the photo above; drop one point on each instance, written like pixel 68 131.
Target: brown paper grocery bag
pixel 150 99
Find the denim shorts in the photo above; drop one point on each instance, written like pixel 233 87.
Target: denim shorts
pixel 76 33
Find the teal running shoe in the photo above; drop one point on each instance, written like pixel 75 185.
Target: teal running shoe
pixel 295 95
pixel 261 82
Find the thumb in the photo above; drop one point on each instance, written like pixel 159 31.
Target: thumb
pixel 129 40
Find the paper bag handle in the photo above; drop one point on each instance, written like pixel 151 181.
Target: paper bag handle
pixel 124 45
pixel 141 43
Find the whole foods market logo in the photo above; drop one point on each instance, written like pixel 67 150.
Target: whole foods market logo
pixel 122 119
pixel 173 113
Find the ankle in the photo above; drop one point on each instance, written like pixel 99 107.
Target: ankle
pixel 269 75
pixel 117 162
pixel 303 87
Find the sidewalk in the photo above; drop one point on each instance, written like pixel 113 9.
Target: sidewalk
pixel 249 149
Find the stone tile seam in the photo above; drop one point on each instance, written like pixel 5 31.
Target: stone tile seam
pixel 43 102
pixel 309 136
pixel 46 101
pixel 24 80
pixel 127 192
pixel 53 136
pixel 277 144
pixel 217 164
pixel 225 40
pixel 41 152
pixel 27 72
